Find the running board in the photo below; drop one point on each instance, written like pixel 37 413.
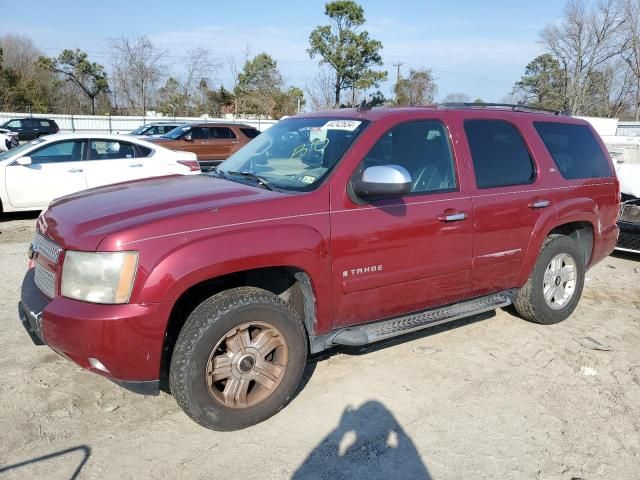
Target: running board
pixel 376 331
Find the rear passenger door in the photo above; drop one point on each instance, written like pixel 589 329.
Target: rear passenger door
pixel 508 199
pixel 223 143
pixel 112 161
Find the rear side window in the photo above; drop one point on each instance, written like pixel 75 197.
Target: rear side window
pixel 142 151
pixel 500 157
pixel 574 149
pixel 44 123
pixel 250 132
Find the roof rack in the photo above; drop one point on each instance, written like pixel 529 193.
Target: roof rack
pixel 511 106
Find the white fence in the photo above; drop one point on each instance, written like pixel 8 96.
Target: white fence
pixel 123 124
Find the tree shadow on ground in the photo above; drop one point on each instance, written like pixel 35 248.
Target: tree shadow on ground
pixel 368 443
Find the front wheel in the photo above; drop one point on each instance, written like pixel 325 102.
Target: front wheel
pixel 238 360
pixel 553 290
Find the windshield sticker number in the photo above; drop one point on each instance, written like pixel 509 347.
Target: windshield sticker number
pixel 348 125
pixel 308 179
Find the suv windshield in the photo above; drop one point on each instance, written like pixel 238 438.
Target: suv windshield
pixel 295 154
pixel 177 132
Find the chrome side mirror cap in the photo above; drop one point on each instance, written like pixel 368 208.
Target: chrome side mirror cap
pixel 383 181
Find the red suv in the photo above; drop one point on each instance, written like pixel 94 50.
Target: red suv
pixel 336 228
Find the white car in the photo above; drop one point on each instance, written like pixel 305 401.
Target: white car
pixel 35 173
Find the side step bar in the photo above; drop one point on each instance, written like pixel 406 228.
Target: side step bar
pixel 374 332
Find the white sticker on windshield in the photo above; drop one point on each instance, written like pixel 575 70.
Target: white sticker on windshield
pixel 308 179
pixel 348 125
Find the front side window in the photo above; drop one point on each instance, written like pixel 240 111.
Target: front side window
pixel 423 148
pixel 222 133
pixel 200 133
pixel 177 132
pixel 574 149
pixel 111 150
pixel 69 151
pixel 500 156
pixel 14 124
pixel 295 154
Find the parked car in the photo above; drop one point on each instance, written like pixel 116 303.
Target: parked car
pixel 8 140
pixel 34 173
pixel 365 225
pixel 30 128
pixel 211 142
pixel 156 128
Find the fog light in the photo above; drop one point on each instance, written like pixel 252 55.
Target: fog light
pixel 95 363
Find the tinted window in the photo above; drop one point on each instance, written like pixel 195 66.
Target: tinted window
pixel 222 132
pixel 500 157
pixel 199 133
pixel 44 123
pixel 142 151
pixel 423 149
pixel 69 151
pixel 574 149
pixel 111 150
pixel 250 132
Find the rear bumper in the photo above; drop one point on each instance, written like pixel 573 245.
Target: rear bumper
pixel 629 239
pixel 121 342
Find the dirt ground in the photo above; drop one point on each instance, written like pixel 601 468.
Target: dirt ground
pixel 495 397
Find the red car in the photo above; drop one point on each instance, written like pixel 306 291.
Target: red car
pixel 335 228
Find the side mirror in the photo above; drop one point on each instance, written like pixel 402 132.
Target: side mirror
pixel 188 137
pixel 384 180
pixel 24 161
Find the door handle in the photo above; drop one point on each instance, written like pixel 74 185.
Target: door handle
pixel 76 170
pixel 235 141
pixel 539 204
pixel 452 217
pixel 135 165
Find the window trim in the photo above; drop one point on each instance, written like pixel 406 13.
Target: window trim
pixel 351 191
pixel 527 147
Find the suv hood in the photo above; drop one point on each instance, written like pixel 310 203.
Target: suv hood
pixel 81 220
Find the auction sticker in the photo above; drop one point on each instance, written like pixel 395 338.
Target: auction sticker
pixel 348 125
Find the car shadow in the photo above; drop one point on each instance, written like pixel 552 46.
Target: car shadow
pixel 634 257
pixel 368 443
pixel 30 215
pixel 84 449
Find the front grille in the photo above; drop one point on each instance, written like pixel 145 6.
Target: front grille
pixel 629 241
pixel 45 280
pixel 629 213
pixel 46 247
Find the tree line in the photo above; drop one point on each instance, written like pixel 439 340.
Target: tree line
pixel 591 66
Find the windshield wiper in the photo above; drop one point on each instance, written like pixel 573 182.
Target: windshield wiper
pixel 259 180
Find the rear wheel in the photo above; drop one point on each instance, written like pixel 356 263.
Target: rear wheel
pixel 238 359
pixel 553 290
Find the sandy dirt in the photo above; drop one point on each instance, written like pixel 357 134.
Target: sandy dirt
pixel 495 397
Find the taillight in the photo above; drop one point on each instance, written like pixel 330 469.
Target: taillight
pixel 193 165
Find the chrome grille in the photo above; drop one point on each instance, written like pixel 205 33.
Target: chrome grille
pixel 46 247
pixel 45 280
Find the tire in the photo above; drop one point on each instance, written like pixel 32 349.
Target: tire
pixel 230 334
pixel 530 300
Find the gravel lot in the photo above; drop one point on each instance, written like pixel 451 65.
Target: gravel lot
pixel 495 397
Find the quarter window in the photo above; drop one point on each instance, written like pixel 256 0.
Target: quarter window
pixel 422 148
pixel 69 151
pixel 500 156
pixel 250 132
pixel 574 149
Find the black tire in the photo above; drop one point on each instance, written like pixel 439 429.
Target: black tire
pixel 205 328
pixel 529 301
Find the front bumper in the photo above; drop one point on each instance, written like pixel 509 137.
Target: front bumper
pixel 121 342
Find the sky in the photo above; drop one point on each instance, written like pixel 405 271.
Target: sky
pixel 477 48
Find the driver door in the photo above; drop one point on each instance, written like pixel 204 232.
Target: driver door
pixel 393 256
pixel 56 169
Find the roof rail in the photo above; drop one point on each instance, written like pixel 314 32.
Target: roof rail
pixel 511 106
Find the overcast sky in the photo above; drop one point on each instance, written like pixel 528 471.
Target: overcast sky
pixel 479 48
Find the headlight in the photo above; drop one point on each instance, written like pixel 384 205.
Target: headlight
pixel 99 277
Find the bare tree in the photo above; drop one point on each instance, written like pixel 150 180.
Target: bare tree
pixel 137 69
pixel 583 42
pixel 199 64
pixel 456 97
pixel 320 90
pixel 631 49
